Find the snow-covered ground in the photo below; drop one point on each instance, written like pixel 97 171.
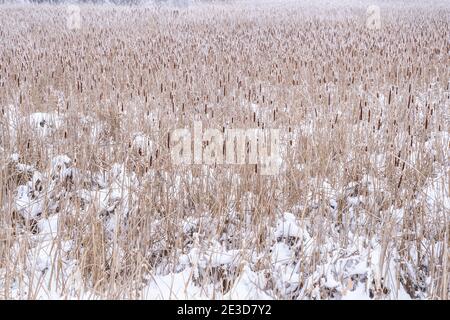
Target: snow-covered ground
pixel 217 256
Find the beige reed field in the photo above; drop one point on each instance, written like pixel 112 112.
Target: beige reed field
pixel 93 205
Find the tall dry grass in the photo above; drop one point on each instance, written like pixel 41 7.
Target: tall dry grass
pixel 364 115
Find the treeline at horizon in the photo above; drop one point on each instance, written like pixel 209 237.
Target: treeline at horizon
pixel 118 2
pixel 124 2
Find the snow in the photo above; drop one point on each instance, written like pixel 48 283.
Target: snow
pixel 45 123
pixel 289 227
pixel 358 294
pixel 174 287
pixel 249 285
pixel 27 206
pixel 350 273
pixel 281 253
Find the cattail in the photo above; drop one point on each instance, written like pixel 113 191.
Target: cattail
pixel 400 181
pixel 360 111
